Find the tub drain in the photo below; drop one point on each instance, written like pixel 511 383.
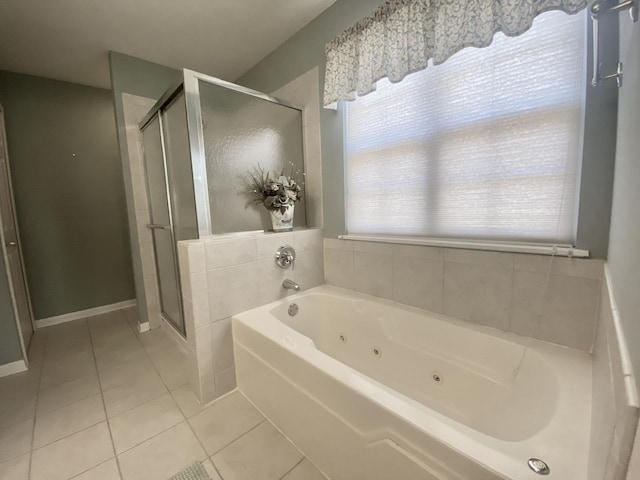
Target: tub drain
pixel 538 466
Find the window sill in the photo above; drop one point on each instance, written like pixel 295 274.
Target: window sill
pixel 535 248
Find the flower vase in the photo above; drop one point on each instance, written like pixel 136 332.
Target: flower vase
pixel 282 222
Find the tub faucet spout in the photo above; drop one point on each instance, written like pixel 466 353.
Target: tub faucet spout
pixel 291 285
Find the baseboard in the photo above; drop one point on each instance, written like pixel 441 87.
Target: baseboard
pixel 69 317
pixel 13 367
pixel 143 327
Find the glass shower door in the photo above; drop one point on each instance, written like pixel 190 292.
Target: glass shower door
pixel 162 224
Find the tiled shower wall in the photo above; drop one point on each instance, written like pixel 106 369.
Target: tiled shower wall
pixel 225 275
pixel 499 290
pixel 614 411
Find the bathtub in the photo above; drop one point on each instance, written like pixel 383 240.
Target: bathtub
pixel 371 389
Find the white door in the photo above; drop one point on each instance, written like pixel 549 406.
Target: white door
pixel 11 244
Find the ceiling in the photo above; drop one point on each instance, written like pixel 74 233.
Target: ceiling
pixel 70 39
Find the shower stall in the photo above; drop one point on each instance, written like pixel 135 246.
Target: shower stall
pixel 201 141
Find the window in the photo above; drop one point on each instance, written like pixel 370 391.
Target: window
pixel 484 146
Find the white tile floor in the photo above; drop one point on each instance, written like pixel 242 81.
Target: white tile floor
pixel 102 402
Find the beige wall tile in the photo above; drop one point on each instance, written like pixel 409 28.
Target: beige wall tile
pixel 418 251
pixel 478 293
pixel 373 274
pixel 197 259
pixel 337 244
pixel 222 345
pixel 270 278
pixel 200 298
pixel 373 247
pixel 232 290
pixel 418 282
pixel 72 455
pixel 269 242
pixel 308 271
pixel 339 268
pixel 307 240
pixel 565 313
pixel 228 252
pixel 226 381
pixel 572 267
pixel 204 355
pixel 479 257
pixel 603 407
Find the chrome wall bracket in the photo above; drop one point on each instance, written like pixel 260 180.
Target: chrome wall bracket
pixel 597 10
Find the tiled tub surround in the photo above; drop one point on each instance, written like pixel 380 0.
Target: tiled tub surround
pixel 350 380
pixel 495 289
pixel 614 414
pixel 228 274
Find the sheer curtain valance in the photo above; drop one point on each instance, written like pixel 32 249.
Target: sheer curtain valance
pixel 402 35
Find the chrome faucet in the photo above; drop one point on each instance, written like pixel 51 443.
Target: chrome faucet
pixel 290 285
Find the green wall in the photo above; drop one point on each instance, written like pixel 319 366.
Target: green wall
pixel 9 340
pixel 305 50
pixel 137 77
pixel 69 193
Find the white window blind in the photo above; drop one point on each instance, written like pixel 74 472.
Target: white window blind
pixel 485 146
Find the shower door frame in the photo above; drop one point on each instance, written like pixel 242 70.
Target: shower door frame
pixel 190 85
pixel 174 247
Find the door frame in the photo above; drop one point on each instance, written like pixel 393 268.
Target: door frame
pixel 5 254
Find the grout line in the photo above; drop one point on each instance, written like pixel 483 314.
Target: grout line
pixel 104 406
pixel 292 468
pixel 186 419
pixel 69 403
pixel 33 432
pixel 69 435
pixel 95 466
pixel 240 436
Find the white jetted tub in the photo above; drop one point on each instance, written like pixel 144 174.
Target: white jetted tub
pixel 370 389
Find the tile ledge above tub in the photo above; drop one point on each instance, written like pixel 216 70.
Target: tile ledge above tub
pixel 559 250
pixel 251 233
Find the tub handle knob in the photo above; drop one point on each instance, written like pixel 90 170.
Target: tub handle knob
pixel 285 256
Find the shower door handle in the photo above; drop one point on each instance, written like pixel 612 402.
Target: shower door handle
pixel 153 226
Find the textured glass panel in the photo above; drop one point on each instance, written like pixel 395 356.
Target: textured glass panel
pixel 176 137
pixel 241 132
pixel 167 279
pixel 162 239
pixel 484 146
pixel 155 173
